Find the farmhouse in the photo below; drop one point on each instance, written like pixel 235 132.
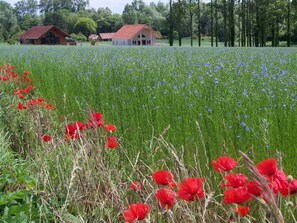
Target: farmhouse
pixel 138 34
pixel 39 35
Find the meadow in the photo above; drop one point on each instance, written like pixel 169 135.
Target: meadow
pixel 174 108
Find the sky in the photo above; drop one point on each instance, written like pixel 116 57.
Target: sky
pixel 116 6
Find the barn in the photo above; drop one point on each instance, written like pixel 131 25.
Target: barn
pixel 44 35
pixel 138 34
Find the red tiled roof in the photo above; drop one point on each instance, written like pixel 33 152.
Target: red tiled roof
pixel 106 35
pixel 35 32
pixel 129 31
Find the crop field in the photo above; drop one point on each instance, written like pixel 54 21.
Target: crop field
pixel 235 99
pixel 204 102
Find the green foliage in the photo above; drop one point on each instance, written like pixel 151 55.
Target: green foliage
pixel 106 21
pixel 79 37
pixel 8 23
pixel 64 19
pixel 26 7
pixel 19 201
pixel 86 26
pixel 71 5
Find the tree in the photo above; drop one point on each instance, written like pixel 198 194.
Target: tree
pixel 26 12
pixel 25 7
pixel 64 19
pixel 199 22
pixel 55 5
pixel 211 22
pixel 179 16
pixel 8 23
pixel 138 12
pixel 78 5
pixel 130 15
pixel 86 26
pixel 191 8
pixel 170 24
pixel 231 23
pixel 289 23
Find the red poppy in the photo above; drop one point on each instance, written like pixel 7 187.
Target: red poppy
pixel 95 120
pixel 40 101
pixel 267 167
pixel 112 142
pixel 22 106
pixel 136 186
pixel 166 197
pixel 136 212
pixel 49 107
pixel 278 182
pixel 110 128
pixel 254 188
pixel 163 177
pixel 28 89
pixel 46 138
pixel 242 210
pixel 32 102
pixel 191 188
pixel 26 73
pixel 235 180
pixel 236 195
pixel 73 130
pixel 16 91
pixel 21 96
pixel 6 78
pixel 224 163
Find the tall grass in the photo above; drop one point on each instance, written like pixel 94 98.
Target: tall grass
pixel 243 99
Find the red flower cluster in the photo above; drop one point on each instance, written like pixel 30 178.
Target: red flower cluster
pixel 241 190
pixel 237 192
pixel 277 179
pixel 8 72
pixel 95 121
pixel 189 190
pixel 74 131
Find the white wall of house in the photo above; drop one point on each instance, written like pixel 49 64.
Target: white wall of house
pixel 144 37
pixel 121 42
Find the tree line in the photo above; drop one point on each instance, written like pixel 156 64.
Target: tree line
pixel 232 23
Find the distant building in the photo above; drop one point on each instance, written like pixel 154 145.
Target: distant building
pixel 106 36
pixel 138 34
pixel 44 35
pixel 93 37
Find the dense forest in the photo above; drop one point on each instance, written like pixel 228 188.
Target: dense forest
pixel 231 22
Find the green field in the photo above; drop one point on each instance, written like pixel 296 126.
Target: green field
pixel 215 100
pixel 241 98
